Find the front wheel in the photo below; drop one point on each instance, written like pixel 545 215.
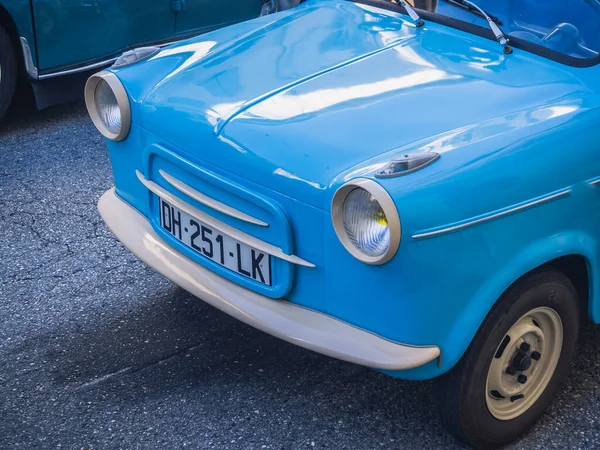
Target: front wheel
pixel 8 72
pixel 515 364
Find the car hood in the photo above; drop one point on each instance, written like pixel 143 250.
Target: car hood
pixel 295 100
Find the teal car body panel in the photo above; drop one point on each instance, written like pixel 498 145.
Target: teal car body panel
pixel 19 13
pixel 290 107
pixel 75 31
pixel 66 34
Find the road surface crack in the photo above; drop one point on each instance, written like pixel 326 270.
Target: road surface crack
pixel 132 370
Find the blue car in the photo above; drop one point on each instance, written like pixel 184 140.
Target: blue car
pixel 412 189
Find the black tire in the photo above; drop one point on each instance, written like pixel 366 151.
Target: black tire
pixel 461 393
pixel 8 72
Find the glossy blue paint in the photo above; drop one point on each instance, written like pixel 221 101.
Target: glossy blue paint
pixel 289 107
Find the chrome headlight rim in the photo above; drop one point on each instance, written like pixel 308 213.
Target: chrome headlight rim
pixel 389 209
pixel 122 102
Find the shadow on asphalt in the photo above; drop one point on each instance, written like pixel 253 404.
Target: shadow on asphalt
pixel 173 327
pixel 23 116
pixel 174 346
pixel 174 342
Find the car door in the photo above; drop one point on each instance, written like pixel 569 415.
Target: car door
pixel 71 33
pixel 197 16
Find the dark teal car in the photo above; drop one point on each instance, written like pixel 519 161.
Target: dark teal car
pixel 55 43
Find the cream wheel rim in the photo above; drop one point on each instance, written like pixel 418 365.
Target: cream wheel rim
pixel 524 363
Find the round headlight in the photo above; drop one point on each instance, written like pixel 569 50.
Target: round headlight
pixel 366 221
pixel 108 105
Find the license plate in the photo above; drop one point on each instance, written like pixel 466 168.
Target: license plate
pixel 218 247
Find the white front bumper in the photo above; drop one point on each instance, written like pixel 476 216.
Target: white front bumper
pixel 280 318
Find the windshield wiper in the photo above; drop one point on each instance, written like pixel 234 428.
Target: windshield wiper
pixel 472 7
pixel 475 10
pixel 411 12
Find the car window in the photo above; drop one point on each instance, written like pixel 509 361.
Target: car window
pixel 569 27
pixel 563 30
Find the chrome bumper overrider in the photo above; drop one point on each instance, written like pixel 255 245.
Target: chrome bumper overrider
pixel 292 323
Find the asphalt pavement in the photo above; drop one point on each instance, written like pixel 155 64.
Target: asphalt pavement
pixel 97 351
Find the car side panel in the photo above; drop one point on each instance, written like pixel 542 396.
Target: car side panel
pixel 204 15
pixel 71 32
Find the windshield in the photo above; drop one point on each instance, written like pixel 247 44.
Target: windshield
pixel 569 27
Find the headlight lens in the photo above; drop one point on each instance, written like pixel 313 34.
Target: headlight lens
pixel 366 223
pixel 107 107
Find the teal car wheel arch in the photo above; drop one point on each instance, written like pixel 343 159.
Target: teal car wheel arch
pixel 462 174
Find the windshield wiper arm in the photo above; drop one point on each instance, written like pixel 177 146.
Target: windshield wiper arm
pixel 474 10
pixel 411 12
pixel 500 37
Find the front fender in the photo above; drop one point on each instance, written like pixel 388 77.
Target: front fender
pixel 536 254
pixel 473 311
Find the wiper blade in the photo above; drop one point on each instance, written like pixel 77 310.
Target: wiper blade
pixel 500 36
pixel 475 10
pixel 411 12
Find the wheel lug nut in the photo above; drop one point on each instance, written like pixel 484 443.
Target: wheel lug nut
pixel 522 378
pixel 525 346
pixel 511 370
pixel 536 356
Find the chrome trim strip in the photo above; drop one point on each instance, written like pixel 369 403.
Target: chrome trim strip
pixel 216 223
pixel 210 202
pixel 493 215
pixel 296 324
pixel 594 182
pixel 78 69
pixel 106 62
pixel 28 59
